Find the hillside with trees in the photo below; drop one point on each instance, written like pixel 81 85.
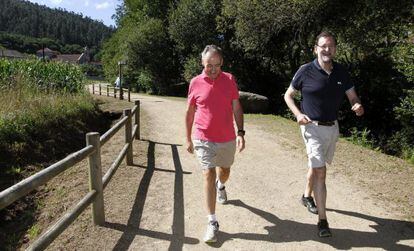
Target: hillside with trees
pixel 265 42
pixel 27 26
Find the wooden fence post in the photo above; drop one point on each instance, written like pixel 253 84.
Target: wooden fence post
pixel 129 93
pixel 137 119
pixel 128 136
pixel 95 178
pixel 100 89
pixel 107 90
pixel 114 92
pixel 121 93
pixel 93 88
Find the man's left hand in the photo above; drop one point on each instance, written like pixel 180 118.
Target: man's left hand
pixel 240 143
pixel 358 109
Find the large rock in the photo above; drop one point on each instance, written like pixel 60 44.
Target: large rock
pixel 254 103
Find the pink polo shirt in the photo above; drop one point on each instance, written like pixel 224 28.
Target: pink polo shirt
pixel 213 119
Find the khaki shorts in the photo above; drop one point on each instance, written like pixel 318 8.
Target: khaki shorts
pixel 320 143
pixel 211 154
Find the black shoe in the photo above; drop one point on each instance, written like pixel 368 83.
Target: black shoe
pixel 323 229
pixel 309 203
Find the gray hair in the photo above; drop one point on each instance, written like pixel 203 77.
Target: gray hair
pixel 211 48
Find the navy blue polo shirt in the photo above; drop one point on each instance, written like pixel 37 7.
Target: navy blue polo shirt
pixel 322 94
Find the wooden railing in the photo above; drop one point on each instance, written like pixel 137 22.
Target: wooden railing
pixel 111 91
pixel 97 183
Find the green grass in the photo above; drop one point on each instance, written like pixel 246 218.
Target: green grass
pixel 25 111
pixel 361 138
pixel 33 232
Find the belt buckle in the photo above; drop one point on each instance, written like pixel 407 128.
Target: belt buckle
pixel 321 123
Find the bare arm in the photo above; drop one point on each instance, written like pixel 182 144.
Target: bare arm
pixel 239 118
pixel 290 101
pixel 189 120
pixel 355 102
pixel 238 114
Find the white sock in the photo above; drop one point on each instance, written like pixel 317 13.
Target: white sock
pixel 219 184
pixel 211 217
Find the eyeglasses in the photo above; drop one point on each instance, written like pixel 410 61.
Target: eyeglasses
pixel 324 47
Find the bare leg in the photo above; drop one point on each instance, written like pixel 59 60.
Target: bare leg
pixel 309 183
pixel 210 190
pixel 319 189
pixel 223 174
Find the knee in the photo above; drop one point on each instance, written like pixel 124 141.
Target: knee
pixel 224 171
pixel 320 173
pixel 210 175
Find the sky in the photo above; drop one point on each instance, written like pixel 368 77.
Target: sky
pixel 95 9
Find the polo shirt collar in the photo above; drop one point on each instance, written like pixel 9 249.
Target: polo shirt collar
pixel 204 76
pixel 318 66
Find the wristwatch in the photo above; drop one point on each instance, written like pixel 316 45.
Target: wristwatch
pixel 241 133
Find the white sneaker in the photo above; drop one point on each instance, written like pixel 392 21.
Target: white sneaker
pixel 211 232
pixel 221 195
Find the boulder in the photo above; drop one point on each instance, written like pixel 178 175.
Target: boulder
pixel 254 103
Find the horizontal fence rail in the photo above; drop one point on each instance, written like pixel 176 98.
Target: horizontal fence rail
pixel 111 91
pixel 27 185
pixel 52 233
pixel 114 166
pixel 97 182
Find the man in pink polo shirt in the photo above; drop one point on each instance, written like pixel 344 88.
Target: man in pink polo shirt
pixel 213 100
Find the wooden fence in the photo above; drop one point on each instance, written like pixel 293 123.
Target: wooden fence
pixel 111 91
pixel 97 183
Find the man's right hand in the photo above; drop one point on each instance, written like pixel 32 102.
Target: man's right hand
pixel 190 147
pixel 302 119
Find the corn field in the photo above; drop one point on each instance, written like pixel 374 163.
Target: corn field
pixel 41 75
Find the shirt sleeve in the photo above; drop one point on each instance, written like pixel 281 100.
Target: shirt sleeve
pixel 348 83
pixel 297 78
pixel 235 90
pixel 191 96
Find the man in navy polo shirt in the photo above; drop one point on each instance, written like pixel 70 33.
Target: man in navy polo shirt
pixel 323 84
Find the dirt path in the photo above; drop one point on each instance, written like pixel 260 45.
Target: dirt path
pixel 156 204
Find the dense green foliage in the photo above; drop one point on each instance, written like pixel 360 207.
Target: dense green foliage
pixel 30 19
pixel 31 45
pixel 144 42
pixel 29 27
pixel 264 44
pixel 42 75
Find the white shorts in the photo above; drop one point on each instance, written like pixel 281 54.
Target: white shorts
pixel 211 154
pixel 320 143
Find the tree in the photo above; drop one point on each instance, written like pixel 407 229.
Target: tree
pixel 29 19
pixel 192 25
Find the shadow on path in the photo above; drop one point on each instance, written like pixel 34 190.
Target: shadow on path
pixel 386 232
pixel 132 229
